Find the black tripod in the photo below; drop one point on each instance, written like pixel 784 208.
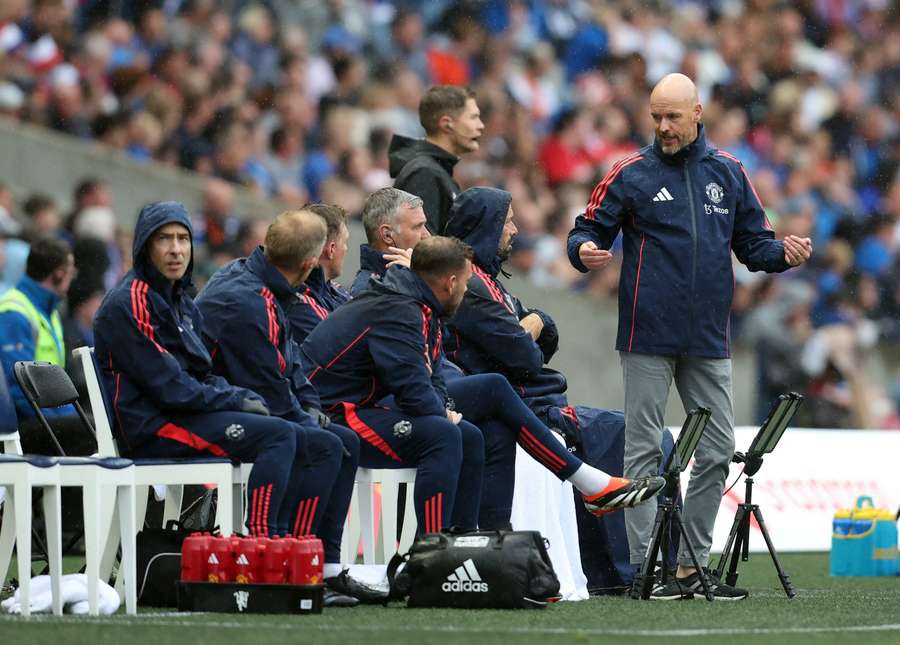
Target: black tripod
pixel 738 544
pixel 668 514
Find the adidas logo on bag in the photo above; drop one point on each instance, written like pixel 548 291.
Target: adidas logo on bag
pixel 465 578
pixel 663 195
pixel 242 559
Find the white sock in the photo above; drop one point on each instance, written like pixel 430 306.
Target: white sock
pixel 331 569
pixel 589 480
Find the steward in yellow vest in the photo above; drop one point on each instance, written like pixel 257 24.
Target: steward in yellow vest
pixel 30 326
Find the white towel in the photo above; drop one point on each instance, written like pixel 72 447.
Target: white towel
pixel 542 503
pixel 74 596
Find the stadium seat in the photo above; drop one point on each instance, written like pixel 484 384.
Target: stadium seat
pixel 361 519
pixel 173 473
pixel 21 473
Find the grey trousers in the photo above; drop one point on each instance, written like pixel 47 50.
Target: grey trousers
pixel 700 382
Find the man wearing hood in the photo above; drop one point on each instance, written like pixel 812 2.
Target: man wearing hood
pixel 424 167
pixel 166 400
pixel 386 342
pixel 682 207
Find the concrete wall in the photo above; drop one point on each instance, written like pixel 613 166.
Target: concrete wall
pixel 35 159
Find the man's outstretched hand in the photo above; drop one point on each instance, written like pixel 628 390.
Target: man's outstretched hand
pixel 593 257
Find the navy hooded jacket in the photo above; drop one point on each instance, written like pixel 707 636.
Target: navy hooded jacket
pixel 248 334
pixel 371 265
pixel 485 334
pixel 387 340
pixel 148 346
pixel 681 216
pixel 316 298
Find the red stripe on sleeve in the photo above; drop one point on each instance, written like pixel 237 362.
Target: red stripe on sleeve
pixel 600 190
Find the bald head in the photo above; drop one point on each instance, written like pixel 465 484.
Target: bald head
pixel 294 241
pixel 676 111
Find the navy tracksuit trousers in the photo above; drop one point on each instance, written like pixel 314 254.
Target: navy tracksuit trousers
pixel 488 401
pixel 448 458
pixel 297 481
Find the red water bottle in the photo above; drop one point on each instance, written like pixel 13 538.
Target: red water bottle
pixel 299 561
pixel 318 563
pixel 194 551
pixel 273 561
pixel 305 562
pixel 246 560
pixel 220 561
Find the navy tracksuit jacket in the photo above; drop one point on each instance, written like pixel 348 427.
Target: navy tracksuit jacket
pixel 384 342
pixel 166 401
pixel 371 264
pixel 681 216
pixel 249 337
pixel 315 299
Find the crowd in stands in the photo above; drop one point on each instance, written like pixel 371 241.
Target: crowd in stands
pixel 299 100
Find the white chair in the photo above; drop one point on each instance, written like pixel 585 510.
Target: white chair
pixel 361 519
pixel 20 475
pixel 47 385
pixel 173 473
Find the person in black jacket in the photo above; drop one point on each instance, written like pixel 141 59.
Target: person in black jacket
pixel 166 400
pixel 682 207
pixel 453 127
pixel 249 336
pixel 377 364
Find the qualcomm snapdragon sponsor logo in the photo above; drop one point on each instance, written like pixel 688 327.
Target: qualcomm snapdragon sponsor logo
pixel 465 578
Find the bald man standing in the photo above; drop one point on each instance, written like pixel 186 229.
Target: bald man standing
pixel 682 207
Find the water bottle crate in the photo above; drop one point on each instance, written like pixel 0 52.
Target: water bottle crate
pixel 234 598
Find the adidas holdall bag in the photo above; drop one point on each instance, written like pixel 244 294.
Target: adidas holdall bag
pixel 479 570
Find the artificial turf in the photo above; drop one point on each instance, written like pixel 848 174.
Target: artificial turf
pixel 826 610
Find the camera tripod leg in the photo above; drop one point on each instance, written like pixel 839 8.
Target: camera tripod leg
pixel 740 548
pixel 730 542
pixel 784 577
pixel 648 566
pixel 704 581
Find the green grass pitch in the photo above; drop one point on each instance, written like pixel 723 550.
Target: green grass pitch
pixel 826 610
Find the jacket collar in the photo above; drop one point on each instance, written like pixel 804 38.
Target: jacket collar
pixel 259 265
pixel 316 281
pixel 691 152
pixel 40 296
pixel 371 259
pixel 399 279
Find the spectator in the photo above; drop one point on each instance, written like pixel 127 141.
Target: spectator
pixel 43 217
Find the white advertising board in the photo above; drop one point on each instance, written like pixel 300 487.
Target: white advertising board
pixel 809 475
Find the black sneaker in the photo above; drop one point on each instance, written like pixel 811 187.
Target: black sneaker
pixel 720 590
pixel 347 585
pixel 672 590
pixel 332 598
pixel 637 583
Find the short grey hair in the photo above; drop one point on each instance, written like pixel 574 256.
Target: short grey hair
pixel 382 206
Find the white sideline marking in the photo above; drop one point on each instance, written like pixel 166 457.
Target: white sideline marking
pixel 144 619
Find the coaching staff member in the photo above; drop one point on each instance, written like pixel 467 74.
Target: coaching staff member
pixel 682 207
pixel 424 167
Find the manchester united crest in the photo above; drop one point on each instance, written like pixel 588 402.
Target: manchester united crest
pixel 714 192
